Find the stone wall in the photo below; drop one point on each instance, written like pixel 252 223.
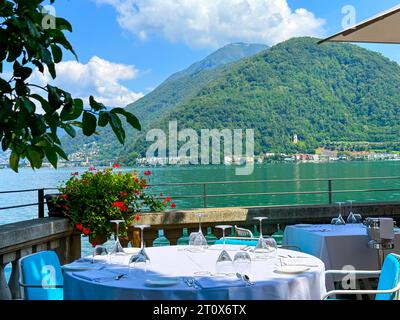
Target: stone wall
pixel 23 238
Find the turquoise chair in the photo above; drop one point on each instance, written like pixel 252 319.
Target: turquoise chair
pixel 41 276
pixel 388 285
pixel 240 242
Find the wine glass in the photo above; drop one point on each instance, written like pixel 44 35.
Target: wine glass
pixel 261 246
pixel 272 247
pixel 99 250
pixel 198 239
pixel 242 262
pixel 351 218
pixel 224 262
pixel 340 220
pixel 142 227
pixel 139 261
pixel 117 249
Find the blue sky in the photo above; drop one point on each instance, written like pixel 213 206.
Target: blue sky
pixel 148 47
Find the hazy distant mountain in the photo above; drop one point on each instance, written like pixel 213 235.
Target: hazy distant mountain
pixel 230 53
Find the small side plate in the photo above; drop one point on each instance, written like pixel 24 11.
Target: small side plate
pixel 291 269
pixel 80 266
pixel 169 282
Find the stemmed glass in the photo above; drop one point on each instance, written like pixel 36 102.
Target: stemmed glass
pixel 340 217
pixel 117 249
pixel 140 259
pixel 224 261
pixel 200 240
pixel 351 218
pixel 99 251
pixel 261 246
pixel 339 220
pixel 242 262
pixel 142 227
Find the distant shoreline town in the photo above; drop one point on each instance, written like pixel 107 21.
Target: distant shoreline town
pixel 321 155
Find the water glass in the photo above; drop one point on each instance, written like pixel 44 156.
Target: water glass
pixel 242 262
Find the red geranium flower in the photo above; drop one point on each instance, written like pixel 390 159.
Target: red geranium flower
pixel 137 191
pixel 168 199
pixel 137 218
pixel 94 244
pixel 116 166
pixel 147 173
pixel 79 226
pixel 118 204
pixel 173 205
pixel 64 197
pixel 86 231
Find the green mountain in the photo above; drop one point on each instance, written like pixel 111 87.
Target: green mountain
pixel 324 93
pixel 175 90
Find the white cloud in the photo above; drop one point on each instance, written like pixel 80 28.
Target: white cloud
pixel 214 23
pixel 98 77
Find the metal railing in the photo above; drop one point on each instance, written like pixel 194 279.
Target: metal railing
pixel 329 191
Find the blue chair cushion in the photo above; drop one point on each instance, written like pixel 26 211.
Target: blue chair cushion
pixel 238 242
pixel 389 277
pixel 42 268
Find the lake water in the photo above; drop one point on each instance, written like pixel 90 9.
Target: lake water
pixel 50 178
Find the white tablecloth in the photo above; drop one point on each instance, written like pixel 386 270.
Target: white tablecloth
pixel 337 246
pixel 175 262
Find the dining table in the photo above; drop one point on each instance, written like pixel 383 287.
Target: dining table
pixel 186 273
pixel 338 246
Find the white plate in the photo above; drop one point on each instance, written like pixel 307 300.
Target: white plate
pixel 291 269
pixel 161 282
pixel 80 266
pixel 302 225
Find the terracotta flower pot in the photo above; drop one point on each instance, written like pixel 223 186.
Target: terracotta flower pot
pixel 98 240
pixel 55 209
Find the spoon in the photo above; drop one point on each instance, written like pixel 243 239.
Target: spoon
pixel 245 278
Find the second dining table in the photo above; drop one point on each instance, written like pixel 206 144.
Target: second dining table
pixel 178 273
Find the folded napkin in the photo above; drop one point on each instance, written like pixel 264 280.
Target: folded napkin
pixel 96 275
pixel 386 228
pixel 220 282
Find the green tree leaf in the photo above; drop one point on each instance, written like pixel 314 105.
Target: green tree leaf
pixel 51 155
pixel 14 161
pixel 89 123
pixel 34 156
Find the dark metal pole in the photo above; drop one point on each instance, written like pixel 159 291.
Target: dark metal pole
pixel 330 191
pixel 205 195
pixel 41 203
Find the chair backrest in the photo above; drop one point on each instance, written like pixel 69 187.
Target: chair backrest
pixel 389 278
pixel 41 269
pixel 242 232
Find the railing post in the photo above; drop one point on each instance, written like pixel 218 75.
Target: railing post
pixel 205 195
pixel 41 203
pixel 330 191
